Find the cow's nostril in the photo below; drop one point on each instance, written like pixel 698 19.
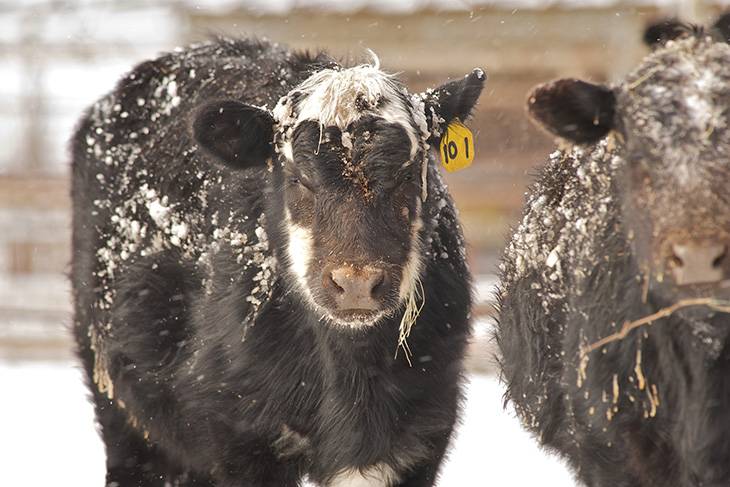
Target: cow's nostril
pixel 720 259
pixel 675 261
pixel 379 285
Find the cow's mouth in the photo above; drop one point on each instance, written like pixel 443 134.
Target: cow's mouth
pixel 356 318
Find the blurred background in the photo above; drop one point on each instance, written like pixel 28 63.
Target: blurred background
pixel 57 57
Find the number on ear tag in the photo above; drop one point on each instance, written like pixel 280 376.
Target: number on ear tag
pixel 457 147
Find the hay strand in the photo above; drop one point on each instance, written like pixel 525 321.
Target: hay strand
pixel 410 315
pixel 722 306
pixel 100 372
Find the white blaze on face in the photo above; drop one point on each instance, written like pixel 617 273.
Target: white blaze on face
pixel 286 150
pixel 376 476
pixel 299 250
pixel 412 268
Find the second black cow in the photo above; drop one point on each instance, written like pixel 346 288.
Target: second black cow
pixel 613 322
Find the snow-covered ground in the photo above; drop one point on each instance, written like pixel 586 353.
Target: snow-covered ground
pixel 47 435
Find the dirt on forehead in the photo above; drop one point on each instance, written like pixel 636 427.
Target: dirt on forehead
pixel 678 101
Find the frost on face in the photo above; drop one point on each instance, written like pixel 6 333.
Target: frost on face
pixel 675 103
pixel 340 96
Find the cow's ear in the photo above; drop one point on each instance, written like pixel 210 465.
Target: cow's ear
pixel 453 100
pixel 722 26
pixel 662 31
pixel 575 110
pixel 237 135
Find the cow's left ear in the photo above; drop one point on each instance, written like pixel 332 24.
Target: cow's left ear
pixel 455 99
pixel 237 135
pixel 575 110
pixel 722 26
pixel 661 31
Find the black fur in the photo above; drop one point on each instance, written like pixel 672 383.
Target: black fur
pixel 218 127
pixel 722 26
pixel 573 109
pixel 206 364
pixel 660 32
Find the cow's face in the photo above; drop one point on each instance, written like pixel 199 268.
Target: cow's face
pixel 349 163
pixel 352 216
pixel 671 117
pixel 676 126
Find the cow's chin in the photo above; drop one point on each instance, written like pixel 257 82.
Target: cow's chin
pixel 355 318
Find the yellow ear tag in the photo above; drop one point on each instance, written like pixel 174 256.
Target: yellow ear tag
pixel 457 147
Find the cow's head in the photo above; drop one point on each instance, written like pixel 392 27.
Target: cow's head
pixel 348 151
pixel 671 124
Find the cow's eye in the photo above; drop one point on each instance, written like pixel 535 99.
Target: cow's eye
pixel 405 178
pixel 295 181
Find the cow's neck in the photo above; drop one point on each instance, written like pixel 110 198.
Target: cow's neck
pixel 357 349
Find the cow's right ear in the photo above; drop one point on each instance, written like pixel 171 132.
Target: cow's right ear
pixel 453 100
pixel 237 135
pixel 575 110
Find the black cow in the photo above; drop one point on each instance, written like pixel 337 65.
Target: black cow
pixel 255 232
pixel 613 325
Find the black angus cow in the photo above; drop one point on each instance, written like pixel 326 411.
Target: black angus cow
pixel 254 233
pixel 630 218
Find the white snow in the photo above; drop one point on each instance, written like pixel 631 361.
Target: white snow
pixel 48 434
pixel 49 438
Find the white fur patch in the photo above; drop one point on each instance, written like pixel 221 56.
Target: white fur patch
pixel 331 98
pixel 412 269
pixel 376 476
pixel 299 250
pixel 394 113
pixel 286 150
pixel 299 253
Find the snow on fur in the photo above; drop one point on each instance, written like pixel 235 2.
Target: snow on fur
pixel 340 96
